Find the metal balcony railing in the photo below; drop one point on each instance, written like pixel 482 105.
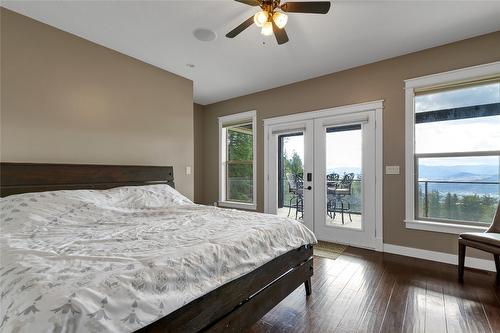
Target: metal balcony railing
pixel 426 183
pixel 354 199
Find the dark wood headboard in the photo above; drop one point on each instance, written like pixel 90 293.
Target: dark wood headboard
pixel 18 178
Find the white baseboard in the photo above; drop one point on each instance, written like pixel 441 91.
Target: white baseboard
pixel 447 258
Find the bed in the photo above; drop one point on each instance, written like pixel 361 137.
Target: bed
pixel 106 248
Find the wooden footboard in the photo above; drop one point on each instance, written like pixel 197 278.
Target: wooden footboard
pixel 240 303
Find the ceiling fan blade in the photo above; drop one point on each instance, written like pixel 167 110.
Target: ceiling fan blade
pixel 315 7
pixel 249 2
pixel 280 34
pixel 236 31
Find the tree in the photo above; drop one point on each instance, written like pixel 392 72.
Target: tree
pixel 488 207
pixel 471 208
pixel 434 203
pixel 453 206
pixel 240 146
pixel 450 206
pixel 240 164
pixel 294 164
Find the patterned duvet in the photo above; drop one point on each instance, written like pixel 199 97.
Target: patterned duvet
pixel 117 260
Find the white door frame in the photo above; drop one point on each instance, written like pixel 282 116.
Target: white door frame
pixel 376 106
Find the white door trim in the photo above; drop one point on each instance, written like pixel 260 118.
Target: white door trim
pixel 379 180
pixel 376 106
pixel 336 111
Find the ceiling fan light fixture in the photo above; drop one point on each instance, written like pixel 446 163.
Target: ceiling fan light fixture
pixel 267 29
pixel 261 18
pixel 280 19
pixel 272 16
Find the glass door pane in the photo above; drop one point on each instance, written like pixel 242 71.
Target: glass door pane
pixel 344 176
pixel 291 175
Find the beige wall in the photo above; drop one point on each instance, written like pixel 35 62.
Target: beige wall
pixel 381 80
pixel 65 99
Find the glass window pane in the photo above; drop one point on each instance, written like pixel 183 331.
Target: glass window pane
pixel 452 121
pixel 472 134
pixel 467 96
pixel 240 143
pixel 239 163
pixel 239 183
pixel 458 188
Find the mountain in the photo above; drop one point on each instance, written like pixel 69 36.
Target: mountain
pixel 455 173
pixel 460 173
pixel 342 170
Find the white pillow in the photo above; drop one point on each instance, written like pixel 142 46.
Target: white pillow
pixel 22 210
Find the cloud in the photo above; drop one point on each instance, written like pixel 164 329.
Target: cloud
pixel 464 135
pixel 468 96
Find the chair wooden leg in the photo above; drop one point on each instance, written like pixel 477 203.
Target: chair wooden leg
pixel 307 284
pixel 461 261
pixel 497 266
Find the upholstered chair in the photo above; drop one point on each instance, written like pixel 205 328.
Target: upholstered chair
pixel 488 241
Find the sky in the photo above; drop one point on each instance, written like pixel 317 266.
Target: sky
pixel 479 134
pixel 475 95
pixel 476 134
pixel 343 148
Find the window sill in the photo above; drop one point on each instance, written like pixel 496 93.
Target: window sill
pixel 448 228
pixel 237 205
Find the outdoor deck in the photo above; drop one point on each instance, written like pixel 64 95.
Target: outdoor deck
pixel 355 224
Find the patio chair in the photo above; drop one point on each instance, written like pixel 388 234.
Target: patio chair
pixel 343 193
pixel 332 178
pixel 299 203
pixel 299 207
pixel 331 203
pixel 488 241
pixel 295 188
pixel 332 182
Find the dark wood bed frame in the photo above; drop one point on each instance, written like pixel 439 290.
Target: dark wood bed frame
pixel 232 307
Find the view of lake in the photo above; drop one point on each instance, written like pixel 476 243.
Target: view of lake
pixel 461 173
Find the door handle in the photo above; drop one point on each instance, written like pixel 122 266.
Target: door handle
pixel 309 188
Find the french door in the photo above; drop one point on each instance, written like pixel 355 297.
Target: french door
pixel 291 163
pixel 322 172
pixel 344 164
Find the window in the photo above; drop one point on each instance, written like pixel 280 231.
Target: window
pixel 237 167
pixel 453 150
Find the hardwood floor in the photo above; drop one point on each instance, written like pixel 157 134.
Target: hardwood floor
pixel 366 291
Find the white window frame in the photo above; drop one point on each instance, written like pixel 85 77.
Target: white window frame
pixel 465 74
pixel 234 118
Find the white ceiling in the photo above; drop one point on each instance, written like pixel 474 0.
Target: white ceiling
pixel 352 34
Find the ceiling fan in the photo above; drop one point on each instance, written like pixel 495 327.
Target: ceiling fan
pixel 272 17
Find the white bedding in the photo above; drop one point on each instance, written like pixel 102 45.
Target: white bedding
pixel 117 260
